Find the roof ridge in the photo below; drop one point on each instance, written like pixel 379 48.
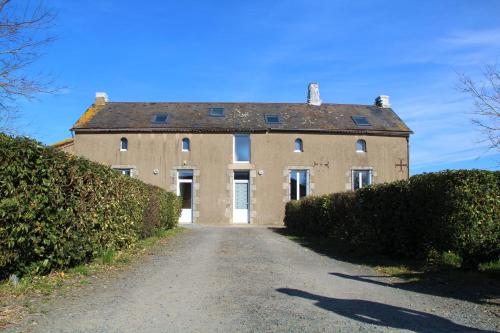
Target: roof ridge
pixel 289 103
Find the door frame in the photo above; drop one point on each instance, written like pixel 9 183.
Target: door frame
pixel 189 212
pixel 235 214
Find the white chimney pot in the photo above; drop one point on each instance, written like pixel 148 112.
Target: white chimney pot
pixel 313 94
pixel 101 98
pixel 382 101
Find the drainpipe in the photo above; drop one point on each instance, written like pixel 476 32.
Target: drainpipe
pixel 408 155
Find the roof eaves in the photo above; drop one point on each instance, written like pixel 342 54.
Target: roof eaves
pixel 242 130
pixel 62 143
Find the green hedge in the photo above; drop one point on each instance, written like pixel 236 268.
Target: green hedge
pixel 58 210
pixel 456 211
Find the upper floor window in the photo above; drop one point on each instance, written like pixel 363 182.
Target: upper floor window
pixel 361 178
pixel 361 146
pixel 186 146
pixel 241 153
pixel 123 144
pixel 299 184
pixel 299 147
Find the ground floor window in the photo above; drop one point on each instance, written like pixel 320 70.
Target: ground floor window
pixel 299 184
pixel 125 171
pixel 361 178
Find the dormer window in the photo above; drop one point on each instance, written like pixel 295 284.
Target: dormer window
pixel 160 118
pixel 299 147
pixel 216 112
pixel 361 121
pixel 123 144
pixel 361 146
pixel 272 119
pixel 186 145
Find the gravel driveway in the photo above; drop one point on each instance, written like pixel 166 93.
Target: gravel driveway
pixel 251 279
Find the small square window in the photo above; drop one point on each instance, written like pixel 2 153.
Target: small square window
pixel 272 119
pixel 361 121
pixel 125 171
pixel 216 112
pixel 160 118
pixel 241 175
pixel 185 174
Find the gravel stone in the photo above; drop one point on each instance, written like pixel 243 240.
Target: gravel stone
pixel 251 279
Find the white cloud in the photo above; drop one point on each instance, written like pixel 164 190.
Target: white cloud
pixel 473 38
pixel 458 49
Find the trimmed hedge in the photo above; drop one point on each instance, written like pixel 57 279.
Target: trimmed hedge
pixel 58 210
pixel 456 211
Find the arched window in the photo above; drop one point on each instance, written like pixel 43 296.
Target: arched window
pixel 299 147
pixel 361 146
pixel 185 144
pixel 123 144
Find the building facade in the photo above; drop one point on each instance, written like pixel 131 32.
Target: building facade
pixel 241 162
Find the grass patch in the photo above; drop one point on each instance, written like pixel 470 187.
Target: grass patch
pixel 15 299
pixel 107 257
pixel 401 270
pixel 492 267
pixel 80 269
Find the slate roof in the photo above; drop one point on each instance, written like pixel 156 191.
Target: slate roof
pixel 241 117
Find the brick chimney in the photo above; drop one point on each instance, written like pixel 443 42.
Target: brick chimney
pixel 313 94
pixel 382 101
pixel 101 98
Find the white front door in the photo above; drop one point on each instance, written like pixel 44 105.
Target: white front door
pixel 185 191
pixel 241 193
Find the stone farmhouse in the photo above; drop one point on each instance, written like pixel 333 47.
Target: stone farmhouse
pixel 241 162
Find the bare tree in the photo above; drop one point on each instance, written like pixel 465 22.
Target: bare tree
pixel 24 31
pixel 486 97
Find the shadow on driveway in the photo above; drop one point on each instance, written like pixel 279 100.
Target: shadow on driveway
pixel 382 314
pixel 474 287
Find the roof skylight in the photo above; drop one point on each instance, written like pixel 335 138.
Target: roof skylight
pixel 272 119
pixel 216 112
pixel 361 121
pixel 160 118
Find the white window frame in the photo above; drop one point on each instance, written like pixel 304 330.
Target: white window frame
pixel 188 143
pixel 360 182
pixel 295 150
pixel 249 148
pixel 361 151
pixel 297 190
pixel 123 170
pixel 121 144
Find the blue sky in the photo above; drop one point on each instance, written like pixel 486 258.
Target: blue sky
pixel 268 51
